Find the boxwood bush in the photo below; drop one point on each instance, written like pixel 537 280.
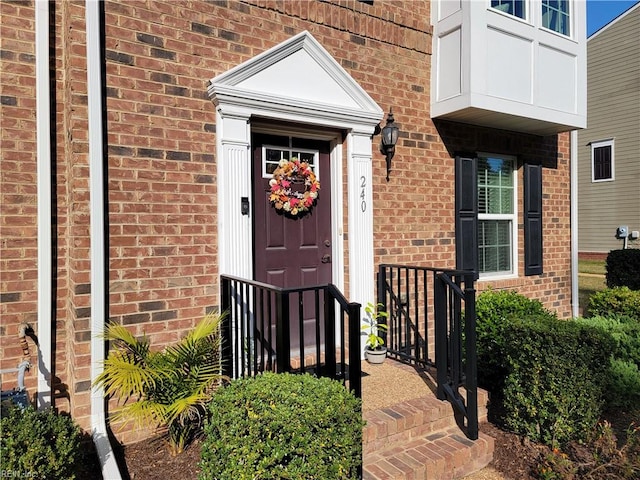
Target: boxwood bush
pixel 557 371
pixel 623 268
pixel 494 311
pixel 623 380
pixel 276 426
pixel 39 444
pixel 615 302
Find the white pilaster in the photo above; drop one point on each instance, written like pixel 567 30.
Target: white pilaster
pixel 233 158
pixel 360 208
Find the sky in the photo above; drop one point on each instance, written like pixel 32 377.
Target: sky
pixel 601 12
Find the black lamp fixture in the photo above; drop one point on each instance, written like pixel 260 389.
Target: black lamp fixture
pixel 388 140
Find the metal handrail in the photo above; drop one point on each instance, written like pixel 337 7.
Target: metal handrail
pixel 256 308
pixel 404 293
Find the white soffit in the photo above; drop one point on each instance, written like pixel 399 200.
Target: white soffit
pixel 298 73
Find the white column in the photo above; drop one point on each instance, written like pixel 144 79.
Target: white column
pixel 233 159
pixel 360 212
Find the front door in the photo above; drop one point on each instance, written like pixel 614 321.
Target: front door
pixel 292 251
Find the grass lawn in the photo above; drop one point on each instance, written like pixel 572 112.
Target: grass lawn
pixel 592 266
pixel 592 282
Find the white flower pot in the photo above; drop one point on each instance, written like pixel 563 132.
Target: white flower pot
pixel 375 356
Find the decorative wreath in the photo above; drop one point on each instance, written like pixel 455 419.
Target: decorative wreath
pixel 287 199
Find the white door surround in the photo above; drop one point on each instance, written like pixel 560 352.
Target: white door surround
pixel 298 82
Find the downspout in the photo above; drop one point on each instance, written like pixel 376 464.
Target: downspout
pixel 575 298
pixel 100 434
pixel 45 265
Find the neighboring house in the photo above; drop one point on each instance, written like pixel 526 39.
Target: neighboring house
pixel 127 198
pixel 609 148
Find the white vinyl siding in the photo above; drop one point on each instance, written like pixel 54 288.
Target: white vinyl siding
pixel 614 96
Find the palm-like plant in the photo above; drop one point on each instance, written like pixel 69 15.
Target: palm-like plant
pixel 169 388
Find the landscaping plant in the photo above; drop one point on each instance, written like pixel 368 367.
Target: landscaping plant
pixel 42 445
pixel 623 268
pixel 495 310
pixel 602 457
pixel 277 426
pixel 554 389
pixel 166 388
pixel 623 379
pixel 615 302
pixel 373 327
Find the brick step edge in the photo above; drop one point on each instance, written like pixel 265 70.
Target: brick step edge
pixel 442 455
pixel 409 419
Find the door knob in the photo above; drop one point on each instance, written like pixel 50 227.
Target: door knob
pixel 326 259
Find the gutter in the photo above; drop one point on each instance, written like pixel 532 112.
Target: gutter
pixel 110 470
pixel 575 299
pixel 45 264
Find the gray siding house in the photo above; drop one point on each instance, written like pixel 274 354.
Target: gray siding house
pixel 609 148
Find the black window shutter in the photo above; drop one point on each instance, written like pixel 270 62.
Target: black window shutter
pixel 532 219
pixel 466 213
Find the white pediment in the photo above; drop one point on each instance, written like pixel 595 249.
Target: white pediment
pixel 298 73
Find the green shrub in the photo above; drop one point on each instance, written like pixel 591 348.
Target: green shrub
pixel 39 444
pixel 277 426
pixel 624 331
pixel 623 379
pixel 623 268
pixel 623 384
pixel 494 311
pixel 553 392
pixel 615 302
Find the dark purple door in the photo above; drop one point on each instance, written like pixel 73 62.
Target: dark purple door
pixel 292 252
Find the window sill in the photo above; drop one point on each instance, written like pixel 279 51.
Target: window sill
pixel 491 277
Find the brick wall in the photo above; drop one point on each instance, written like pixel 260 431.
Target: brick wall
pixel 18 198
pixel 161 167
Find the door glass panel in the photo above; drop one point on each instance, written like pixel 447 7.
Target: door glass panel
pixel 273 155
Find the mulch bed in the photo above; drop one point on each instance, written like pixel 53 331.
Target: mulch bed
pixel 515 457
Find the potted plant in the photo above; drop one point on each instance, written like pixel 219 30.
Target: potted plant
pixel 375 351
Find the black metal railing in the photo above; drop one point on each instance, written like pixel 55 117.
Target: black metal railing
pixel 304 330
pixel 437 331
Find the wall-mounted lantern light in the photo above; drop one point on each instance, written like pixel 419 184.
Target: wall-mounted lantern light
pixel 388 140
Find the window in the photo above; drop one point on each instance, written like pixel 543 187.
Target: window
pixel 512 7
pixel 487 217
pixel 556 16
pixel 496 215
pixel 272 156
pixel 602 161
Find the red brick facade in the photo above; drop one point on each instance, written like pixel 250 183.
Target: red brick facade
pixel 161 172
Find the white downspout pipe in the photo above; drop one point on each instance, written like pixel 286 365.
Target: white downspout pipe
pixel 110 469
pixel 45 265
pixel 575 297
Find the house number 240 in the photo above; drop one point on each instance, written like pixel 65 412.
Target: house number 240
pixel 363 198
